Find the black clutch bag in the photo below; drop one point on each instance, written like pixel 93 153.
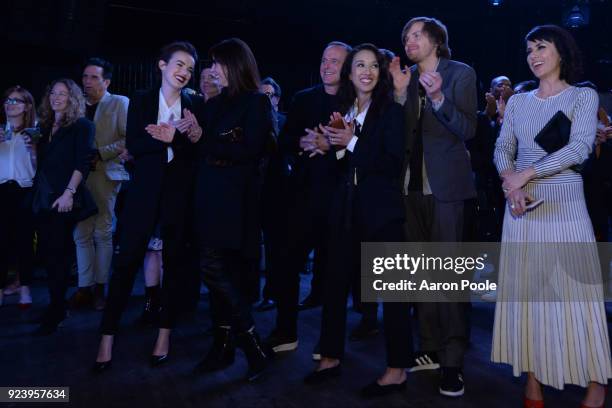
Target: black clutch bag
pixel 43 195
pixel 555 135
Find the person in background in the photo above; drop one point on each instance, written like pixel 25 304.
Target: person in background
pixel 209 83
pixel 525 86
pixel 17 168
pixel 93 236
pixel 64 160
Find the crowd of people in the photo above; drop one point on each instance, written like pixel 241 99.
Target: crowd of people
pixel 188 186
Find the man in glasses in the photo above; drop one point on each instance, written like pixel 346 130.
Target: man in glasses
pixel 93 236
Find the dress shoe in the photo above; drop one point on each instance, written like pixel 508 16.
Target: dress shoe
pixel 253 349
pixel 529 403
pixel 265 305
pixel 156 361
pixel 82 299
pixel 374 389
pixel 221 354
pixel 321 376
pixel 101 366
pixel 309 303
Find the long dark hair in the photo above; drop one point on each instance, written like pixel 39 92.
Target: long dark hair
pixel 238 59
pixel 383 91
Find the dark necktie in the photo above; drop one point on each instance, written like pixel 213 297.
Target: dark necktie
pixel 416 155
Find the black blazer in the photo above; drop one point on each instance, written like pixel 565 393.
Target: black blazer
pixel 376 163
pixel 149 197
pixel 229 179
pixel 70 149
pixel 445 131
pixel 312 179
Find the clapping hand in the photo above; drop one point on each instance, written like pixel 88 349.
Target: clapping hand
pixel 163 132
pixel 401 77
pixel 315 142
pixel 338 137
pixel 432 83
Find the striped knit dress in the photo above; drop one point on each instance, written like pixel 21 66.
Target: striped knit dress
pixel 563 340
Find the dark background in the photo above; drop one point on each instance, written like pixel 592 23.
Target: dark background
pixel 50 39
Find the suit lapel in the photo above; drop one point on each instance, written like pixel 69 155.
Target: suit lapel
pixel 101 106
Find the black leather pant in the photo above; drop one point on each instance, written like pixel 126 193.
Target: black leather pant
pixel 225 272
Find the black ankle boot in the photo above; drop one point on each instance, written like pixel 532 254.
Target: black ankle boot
pixel 221 355
pixel 250 343
pixel 150 314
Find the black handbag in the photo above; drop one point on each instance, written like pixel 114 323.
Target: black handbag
pixel 43 198
pixel 555 135
pixel 43 195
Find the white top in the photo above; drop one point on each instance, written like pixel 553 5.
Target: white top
pixel 15 162
pixel 167 114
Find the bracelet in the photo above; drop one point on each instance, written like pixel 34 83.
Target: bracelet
pixel 72 190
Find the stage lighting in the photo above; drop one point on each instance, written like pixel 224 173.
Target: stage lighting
pixel 496 3
pixel 577 16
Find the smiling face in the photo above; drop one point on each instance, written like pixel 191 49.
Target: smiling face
pixel 543 59
pixel 417 44
pixel 59 97
pixel 178 70
pixel 364 72
pixel 94 83
pixel 331 65
pixel 15 105
pixel 500 86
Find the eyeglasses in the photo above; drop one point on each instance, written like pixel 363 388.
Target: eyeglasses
pixel 14 101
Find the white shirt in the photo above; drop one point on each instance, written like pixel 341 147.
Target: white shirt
pixel 351 116
pixel 166 114
pixel 15 162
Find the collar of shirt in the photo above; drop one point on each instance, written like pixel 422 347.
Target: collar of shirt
pixel 352 114
pixel 165 111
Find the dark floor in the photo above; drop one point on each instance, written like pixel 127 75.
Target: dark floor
pixel 65 359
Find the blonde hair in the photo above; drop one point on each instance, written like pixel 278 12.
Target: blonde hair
pixel 74 111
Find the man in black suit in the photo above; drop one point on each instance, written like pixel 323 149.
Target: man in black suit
pixel 310 189
pixel 439 96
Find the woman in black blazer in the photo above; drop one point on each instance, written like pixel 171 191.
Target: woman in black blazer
pixel 64 155
pixel 161 131
pixel 237 125
pixel 367 207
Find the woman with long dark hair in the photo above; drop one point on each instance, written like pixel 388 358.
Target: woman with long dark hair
pixel 550 319
pixel 17 168
pixel 64 160
pixel 367 207
pixel 161 131
pixel 237 125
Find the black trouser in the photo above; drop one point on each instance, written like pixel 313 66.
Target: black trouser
pixel 16 234
pixel 170 213
pixel 225 272
pixel 443 327
pixel 56 246
pixel 344 262
pixel 305 232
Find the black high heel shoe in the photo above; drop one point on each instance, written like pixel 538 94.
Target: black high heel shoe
pixel 101 366
pixel 374 389
pixel 156 361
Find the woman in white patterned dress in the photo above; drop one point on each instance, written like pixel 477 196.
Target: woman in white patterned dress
pixel 563 340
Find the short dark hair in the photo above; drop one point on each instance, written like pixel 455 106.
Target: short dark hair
pixel 388 54
pixel 571 60
pixel 525 86
pixel 168 50
pixel 435 30
pixel 273 84
pixel 587 84
pixel 383 91
pixel 107 67
pixel 238 59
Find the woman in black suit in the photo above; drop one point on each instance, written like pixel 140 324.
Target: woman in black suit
pixel 64 155
pixel 237 125
pixel 367 207
pixel 160 132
